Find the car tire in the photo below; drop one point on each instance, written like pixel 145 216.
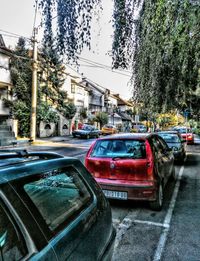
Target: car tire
pixel 173 174
pixel 158 203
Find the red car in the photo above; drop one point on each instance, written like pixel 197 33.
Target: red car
pixel 133 166
pixel 186 134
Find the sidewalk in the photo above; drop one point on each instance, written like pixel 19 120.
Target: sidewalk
pixel 24 143
pixel 54 139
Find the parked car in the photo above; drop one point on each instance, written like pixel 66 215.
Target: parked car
pixel 134 166
pixel 87 131
pixel 139 128
pixel 176 143
pixel 109 129
pixel 52 209
pixel 186 134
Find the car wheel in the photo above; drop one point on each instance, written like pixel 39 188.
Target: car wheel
pixel 158 203
pixel 173 174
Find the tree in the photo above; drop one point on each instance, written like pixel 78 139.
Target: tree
pixel 167 58
pixel 101 118
pixel 68 111
pixel 83 113
pixel 161 45
pixel 21 75
pixel 73 24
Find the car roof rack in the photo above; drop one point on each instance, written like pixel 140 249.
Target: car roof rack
pixel 22 153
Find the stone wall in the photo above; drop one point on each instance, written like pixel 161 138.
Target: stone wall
pixel 54 129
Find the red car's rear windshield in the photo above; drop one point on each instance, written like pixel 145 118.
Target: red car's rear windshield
pixel 119 148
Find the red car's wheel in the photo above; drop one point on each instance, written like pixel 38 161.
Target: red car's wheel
pixel 158 203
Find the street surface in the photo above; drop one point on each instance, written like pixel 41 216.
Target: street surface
pixel 143 234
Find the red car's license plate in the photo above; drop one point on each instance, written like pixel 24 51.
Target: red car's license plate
pixel 115 194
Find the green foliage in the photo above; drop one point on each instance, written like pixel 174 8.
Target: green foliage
pixel 161 44
pixel 124 24
pixel 101 118
pixel 68 110
pixel 46 113
pixel 52 75
pixel 21 111
pixel 21 74
pixel 167 59
pixel 73 24
pixel 83 113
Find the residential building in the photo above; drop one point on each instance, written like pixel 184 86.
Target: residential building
pixel 5 81
pixel 8 126
pixel 125 111
pixel 96 96
pixel 111 108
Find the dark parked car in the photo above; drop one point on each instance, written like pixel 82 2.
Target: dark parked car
pixel 139 128
pixel 52 209
pixel 87 131
pixel 132 166
pixel 176 143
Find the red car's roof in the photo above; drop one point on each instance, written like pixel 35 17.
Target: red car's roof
pixel 139 136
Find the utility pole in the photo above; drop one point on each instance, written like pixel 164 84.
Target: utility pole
pixel 34 88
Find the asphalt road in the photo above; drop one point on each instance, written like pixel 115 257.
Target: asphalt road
pixel 171 234
pixel 143 234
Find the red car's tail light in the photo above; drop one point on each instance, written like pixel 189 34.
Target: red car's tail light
pixel 150 164
pixel 87 155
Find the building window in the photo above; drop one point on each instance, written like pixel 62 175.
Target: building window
pixel 73 86
pixel 3 93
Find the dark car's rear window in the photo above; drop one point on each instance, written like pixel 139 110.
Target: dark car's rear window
pixel 59 195
pixel 170 137
pixel 119 148
pixel 184 130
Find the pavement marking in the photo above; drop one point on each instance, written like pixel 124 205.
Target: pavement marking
pixel 168 217
pixel 129 220
pixel 78 155
pixel 124 226
pixel 150 223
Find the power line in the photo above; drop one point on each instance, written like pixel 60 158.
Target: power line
pixel 10 34
pixel 100 64
pixel 97 65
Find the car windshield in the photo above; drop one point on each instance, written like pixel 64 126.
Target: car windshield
pixel 86 127
pixel 119 149
pixel 108 126
pixel 170 138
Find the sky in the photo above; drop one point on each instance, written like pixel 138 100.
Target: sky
pixel 17 17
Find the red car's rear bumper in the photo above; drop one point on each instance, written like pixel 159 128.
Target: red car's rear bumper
pixel 135 190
